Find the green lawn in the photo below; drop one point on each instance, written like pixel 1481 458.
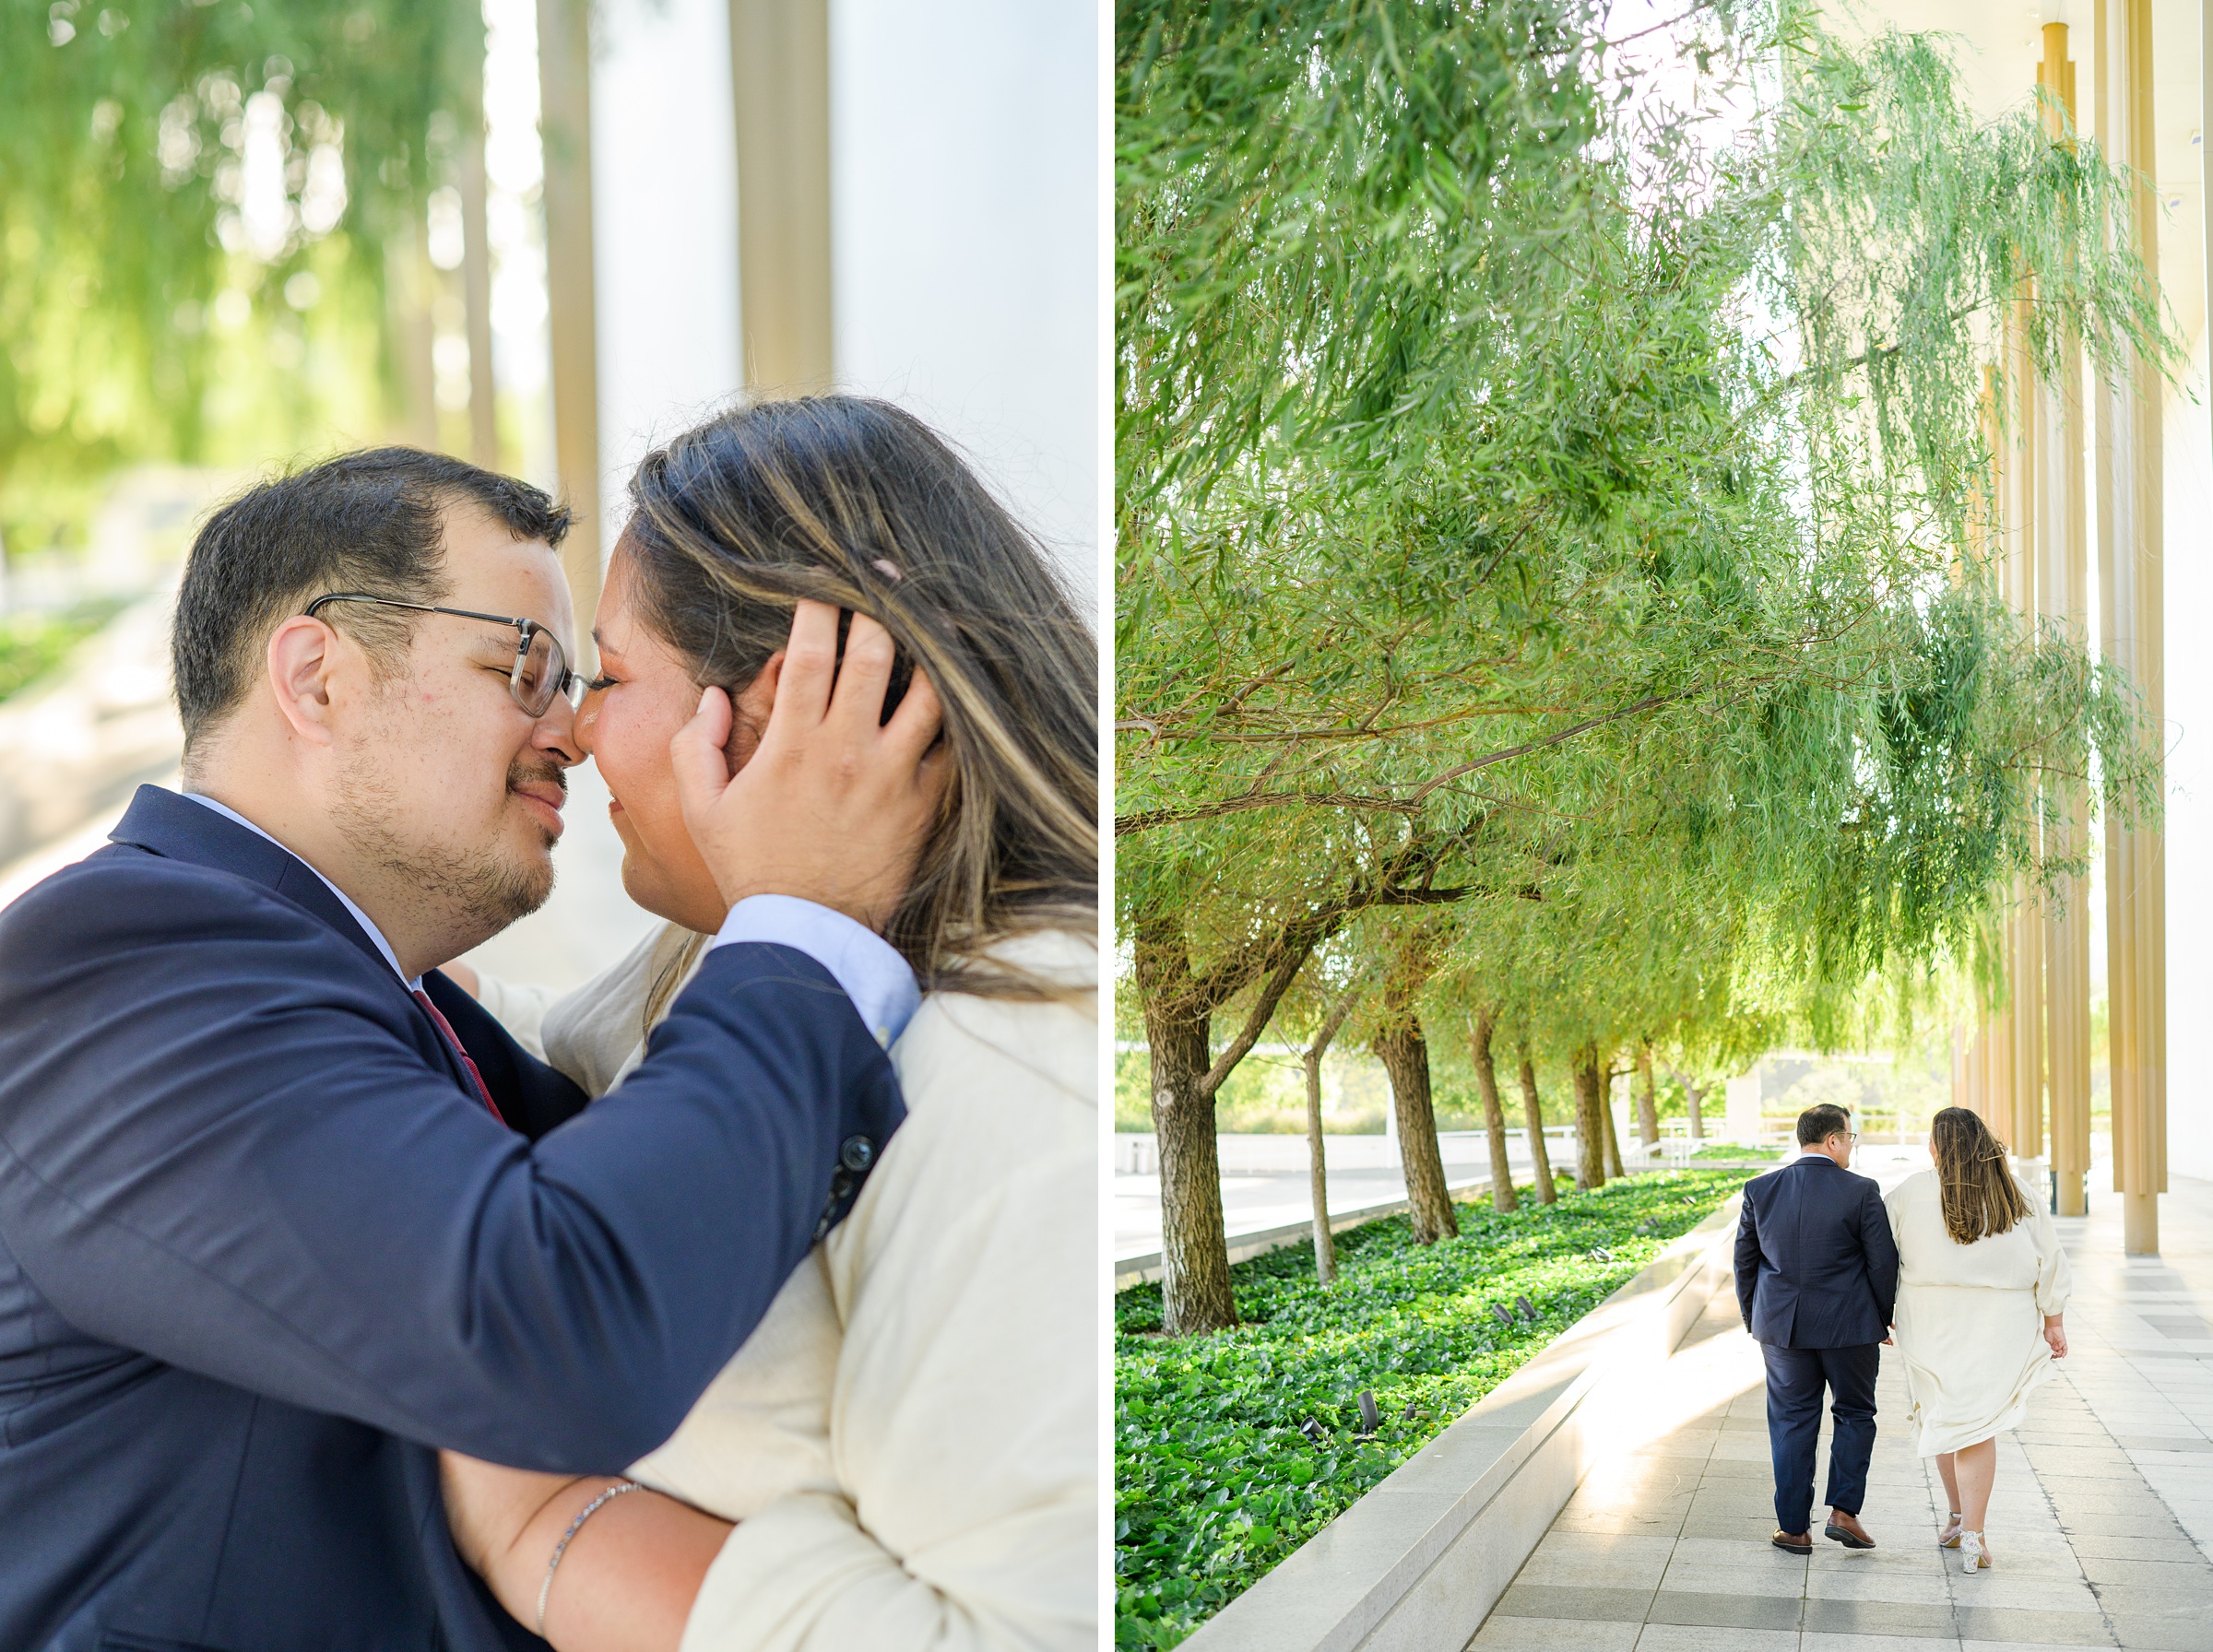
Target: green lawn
pixel 1232 1450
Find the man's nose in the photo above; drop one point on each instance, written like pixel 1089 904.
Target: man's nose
pixel 555 734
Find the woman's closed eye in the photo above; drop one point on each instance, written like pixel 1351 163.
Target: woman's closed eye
pixel 597 683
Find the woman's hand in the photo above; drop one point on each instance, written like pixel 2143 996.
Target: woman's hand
pixel 835 804
pixel 2055 1335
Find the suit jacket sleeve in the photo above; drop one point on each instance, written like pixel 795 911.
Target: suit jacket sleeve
pixel 1747 1260
pixel 1881 1249
pixel 221 1147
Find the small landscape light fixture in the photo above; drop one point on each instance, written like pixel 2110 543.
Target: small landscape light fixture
pixel 1370 1418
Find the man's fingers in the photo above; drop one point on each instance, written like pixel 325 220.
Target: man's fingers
pixel 810 664
pixel 916 724
pixel 702 771
pixel 857 707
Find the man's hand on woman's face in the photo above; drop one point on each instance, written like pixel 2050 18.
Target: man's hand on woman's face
pixel 835 804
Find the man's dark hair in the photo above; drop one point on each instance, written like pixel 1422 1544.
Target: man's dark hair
pixel 1817 1125
pixel 369 521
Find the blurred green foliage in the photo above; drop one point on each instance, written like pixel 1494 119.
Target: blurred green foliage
pixel 32 644
pixel 194 203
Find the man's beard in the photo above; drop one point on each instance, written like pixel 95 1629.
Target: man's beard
pixel 472 887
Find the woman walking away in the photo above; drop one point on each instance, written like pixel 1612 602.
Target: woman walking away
pixel 1981 1282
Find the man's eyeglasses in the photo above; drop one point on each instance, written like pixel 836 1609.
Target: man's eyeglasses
pixel 542 666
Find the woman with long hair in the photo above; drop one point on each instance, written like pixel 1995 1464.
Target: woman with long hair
pixel 903 1456
pixel 1981 1288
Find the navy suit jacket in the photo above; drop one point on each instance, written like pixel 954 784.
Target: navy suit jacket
pixel 261 1251
pixel 1815 1266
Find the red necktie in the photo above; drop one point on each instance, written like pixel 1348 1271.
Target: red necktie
pixel 446 1028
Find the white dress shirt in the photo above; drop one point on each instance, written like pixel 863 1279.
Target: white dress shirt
pixel 873 975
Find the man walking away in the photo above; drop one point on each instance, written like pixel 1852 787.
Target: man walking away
pixel 1816 1274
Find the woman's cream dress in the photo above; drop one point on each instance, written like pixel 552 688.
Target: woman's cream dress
pixel 909 1441
pixel 1971 1317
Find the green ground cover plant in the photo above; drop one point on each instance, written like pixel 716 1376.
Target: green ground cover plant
pixel 1233 1449
pixel 1728 1150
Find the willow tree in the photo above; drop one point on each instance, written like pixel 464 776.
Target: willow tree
pixel 156 158
pixel 1514 483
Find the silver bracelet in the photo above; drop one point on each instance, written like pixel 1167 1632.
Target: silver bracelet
pixel 545 1590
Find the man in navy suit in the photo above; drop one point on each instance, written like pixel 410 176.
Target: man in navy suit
pixel 280 1210
pixel 1816 1277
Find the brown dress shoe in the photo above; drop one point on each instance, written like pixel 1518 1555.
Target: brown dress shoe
pixel 1846 1530
pixel 1800 1543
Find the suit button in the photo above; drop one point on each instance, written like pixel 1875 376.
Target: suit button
pixel 858 1153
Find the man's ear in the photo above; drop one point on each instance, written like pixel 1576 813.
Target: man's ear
pixel 750 708
pixel 299 666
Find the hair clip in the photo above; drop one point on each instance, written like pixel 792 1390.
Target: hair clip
pixel 884 565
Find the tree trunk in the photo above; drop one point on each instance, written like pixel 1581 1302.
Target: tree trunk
pixel 1194 1253
pixel 1605 1096
pixel 1494 1115
pixel 1317 1170
pixel 1318 1176
pixel 1532 1117
pixel 1589 1117
pixel 1691 1100
pixel 1648 1103
pixel 1405 1056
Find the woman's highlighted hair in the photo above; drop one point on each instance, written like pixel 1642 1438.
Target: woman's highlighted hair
pixel 852 502
pixel 1980 1195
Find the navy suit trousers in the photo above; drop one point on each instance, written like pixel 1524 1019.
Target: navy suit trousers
pixel 1796 1378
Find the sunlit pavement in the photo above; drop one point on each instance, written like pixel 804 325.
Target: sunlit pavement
pixel 2100 1524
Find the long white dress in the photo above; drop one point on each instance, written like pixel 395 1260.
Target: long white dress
pixel 1969 1317
pixel 909 1441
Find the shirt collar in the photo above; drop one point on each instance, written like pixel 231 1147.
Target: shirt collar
pixel 359 916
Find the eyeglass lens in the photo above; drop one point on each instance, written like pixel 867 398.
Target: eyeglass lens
pixel 540 673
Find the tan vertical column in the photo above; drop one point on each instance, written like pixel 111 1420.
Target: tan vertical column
pixel 780 82
pixel 2022 1099
pixel 407 310
pixel 564 94
pixel 2008 461
pixel 2131 625
pixel 2063 604
pixel 1974 1091
pixel 475 292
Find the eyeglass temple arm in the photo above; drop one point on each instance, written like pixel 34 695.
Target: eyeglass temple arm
pixel 526 626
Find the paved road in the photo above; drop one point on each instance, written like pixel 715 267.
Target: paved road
pixel 1253 1203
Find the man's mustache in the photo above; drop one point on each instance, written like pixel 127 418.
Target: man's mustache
pixel 520 774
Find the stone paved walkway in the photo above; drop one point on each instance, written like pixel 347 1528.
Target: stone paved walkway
pixel 2100 1527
